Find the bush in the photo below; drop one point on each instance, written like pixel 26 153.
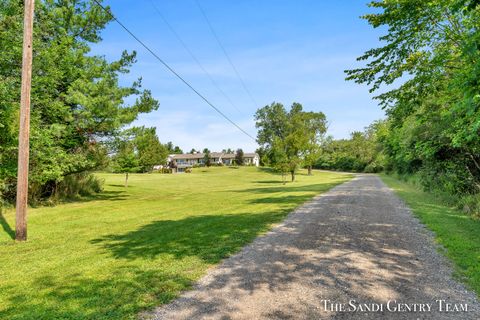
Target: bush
pixel 470 204
pixel 446 176
pixel 373 168
pixel 75 185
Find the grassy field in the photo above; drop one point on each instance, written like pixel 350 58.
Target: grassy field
pixel 457 233
pixel 130 249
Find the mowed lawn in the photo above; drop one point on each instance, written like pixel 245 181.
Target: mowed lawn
pixel 126 250
pixel 458 234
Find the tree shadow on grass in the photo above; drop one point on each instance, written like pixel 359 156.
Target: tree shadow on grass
pixel 117 185
pixel 269 181
pixel 266 169
pixel 208 237
pixel 6 227
pixel 123 294
pixel 110 195
pixel 122 291
pixel 290 199
pixel 315 188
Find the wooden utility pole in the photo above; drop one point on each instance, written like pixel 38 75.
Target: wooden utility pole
pixel 24 134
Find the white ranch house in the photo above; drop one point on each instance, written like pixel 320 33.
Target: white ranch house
pixel 188 160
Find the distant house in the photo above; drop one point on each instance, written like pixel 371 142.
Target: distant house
pixel 183 161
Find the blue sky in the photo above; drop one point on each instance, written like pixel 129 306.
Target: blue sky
pixel 285 51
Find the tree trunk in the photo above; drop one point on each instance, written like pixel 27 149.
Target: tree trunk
pixel 283 178
pixel 293 175
pixel 309 170
pixel 126 180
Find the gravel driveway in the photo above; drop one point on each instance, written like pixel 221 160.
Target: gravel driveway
pixel 355 252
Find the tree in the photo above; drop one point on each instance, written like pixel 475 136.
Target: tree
pixel 149 149
pixel 279 158
pixel 262 154
pixel 433 115
pixel 312 153
pixel 362 152
pixel 285 136
pixel 239 160
pixel 207 160
pixel 173 149
pixel 77 101
pixel 316 126
pixel 177 150
pixel 137 150
pixel 193 151
pixel 126 160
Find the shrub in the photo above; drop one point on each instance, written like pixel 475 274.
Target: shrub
pixel 80 184
pixel 373 168
pixel 470 204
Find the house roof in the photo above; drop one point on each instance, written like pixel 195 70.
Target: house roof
pixel 187 156
pixel 212 155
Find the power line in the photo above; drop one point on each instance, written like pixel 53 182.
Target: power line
pixel 172 70
pixel 192 55
pixel 226 54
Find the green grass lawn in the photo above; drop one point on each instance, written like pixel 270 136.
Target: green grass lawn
pixel 457 233
pixel 130 249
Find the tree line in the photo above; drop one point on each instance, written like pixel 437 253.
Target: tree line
pixel 432 129
pixel 78 105
pixel 428 72
pixel 289 139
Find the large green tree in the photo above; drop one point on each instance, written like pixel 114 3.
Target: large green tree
pixel 77 102
pixel 315 124
pixel 362 152
pixel 126 160
pixel 207 159
pixel 137 150
pixel 430 67
pixel 149 149
pixel 239 157
pixel 173 149
pixel 288 138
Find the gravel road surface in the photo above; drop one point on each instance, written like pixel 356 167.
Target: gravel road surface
pixel 355 252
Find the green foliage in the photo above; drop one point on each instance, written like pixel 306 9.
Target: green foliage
pixel 455 231
pixel 126 160
pixel 79 185
pixel 207 159
pixel 361 153
pixel 149 149
pixel 77 102
pixel 173 149
pixel 138 150
pixel 288 139
pixel 431 49
pixel 239 160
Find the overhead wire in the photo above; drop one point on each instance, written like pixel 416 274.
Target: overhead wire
pixel 169 68
pixel 192 55
pixel 230 61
